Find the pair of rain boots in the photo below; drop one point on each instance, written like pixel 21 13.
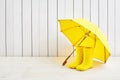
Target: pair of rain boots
pixel 83 60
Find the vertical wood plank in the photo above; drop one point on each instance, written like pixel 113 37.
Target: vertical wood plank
pixel 117 28
pixel 102 13
pixel 69 8
pixel 78 8
pixel 61 37
pixel 52 27
pixel 111 26
pixel 65 10
pixel 43 27
pixel 94 11
pixel 10 27
pixel 35 29
pixel 103 16
pixel 86 9
pixel 27 28
pixel 17 28
pixel 2 28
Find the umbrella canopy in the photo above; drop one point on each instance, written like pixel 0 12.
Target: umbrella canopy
pixel 80 32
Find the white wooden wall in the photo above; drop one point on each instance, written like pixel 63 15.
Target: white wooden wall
pixel 30 28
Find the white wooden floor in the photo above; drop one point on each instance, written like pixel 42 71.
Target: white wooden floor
pixel 44 68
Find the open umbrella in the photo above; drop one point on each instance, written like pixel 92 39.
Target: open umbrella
pixel 79 31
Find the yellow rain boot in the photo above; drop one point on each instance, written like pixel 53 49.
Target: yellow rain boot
pixel 78 58
pixel 87 59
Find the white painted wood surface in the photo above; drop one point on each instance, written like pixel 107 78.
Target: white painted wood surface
pixel 27 28
pixel 52 27
pixel 86 9
pixel 103 16
pixel 65 11
pixel 50 68
pixel 17 28
pixel 35 27
pixel 111 26
pixel 43 19
pixel 10 27
pixel 61 38
pixel 94 11
pixel 30 27
pixel 2 28
pixel 78 8
pixel 117 27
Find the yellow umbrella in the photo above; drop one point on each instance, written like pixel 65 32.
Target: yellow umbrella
pixel 80 31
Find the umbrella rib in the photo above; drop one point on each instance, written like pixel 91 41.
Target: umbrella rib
pixel 104 55
pixel 84 36
pixel 79 39
pixel 95 41
pixel 78 30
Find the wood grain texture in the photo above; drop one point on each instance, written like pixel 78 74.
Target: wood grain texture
pixel 117 28
pixel 61 37
pixel 94 11
pixel 27 48
pixel 10 27
pixel 43 24
pixel 86 9
pixel 52 27
pixel 30 27
pixel 2 28
pixel 103 16
pixel 111 25
pixel 35 28
pixel 17 28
